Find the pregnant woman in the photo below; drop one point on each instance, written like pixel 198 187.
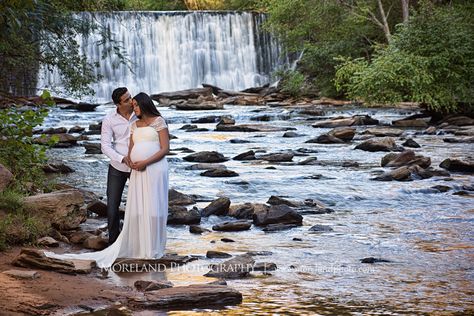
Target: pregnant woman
pixel 143 234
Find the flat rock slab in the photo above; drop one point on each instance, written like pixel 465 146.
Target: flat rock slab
pixel 22 274
pixel 169 260
pixel 34 258
pixel 185 297
pixel 251 128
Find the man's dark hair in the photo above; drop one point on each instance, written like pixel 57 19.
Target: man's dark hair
pixel 146 105
pixel 117 94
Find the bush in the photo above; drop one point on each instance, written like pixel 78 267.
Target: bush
pixel 21 228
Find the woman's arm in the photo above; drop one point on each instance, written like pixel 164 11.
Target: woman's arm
pixel 130 146
pixel 164 150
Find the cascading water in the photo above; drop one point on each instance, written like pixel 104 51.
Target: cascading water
pixel 179 50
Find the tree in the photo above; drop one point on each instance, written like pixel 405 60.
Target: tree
pixel 429 60
pixel 40 32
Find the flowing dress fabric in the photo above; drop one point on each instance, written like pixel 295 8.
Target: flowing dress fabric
pixel 144 230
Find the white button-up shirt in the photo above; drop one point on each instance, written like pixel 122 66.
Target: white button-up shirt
pixel 115 137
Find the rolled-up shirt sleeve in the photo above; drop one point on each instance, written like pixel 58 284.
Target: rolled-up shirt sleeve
pixel 107 139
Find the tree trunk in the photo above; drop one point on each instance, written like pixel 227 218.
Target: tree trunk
pixel 405 10
pixel 385 27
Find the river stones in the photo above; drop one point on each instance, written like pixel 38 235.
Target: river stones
pixel 235 268
pixel 196 229
pixel 277 157
pixel 383 144
pixel 153 285
pixel 219 173
pixel 179 215
pixel 248 155
pixel 410 123
pixel 92 148
pixel 405 158
pixel 246 210
pixel 458 165
pixel 411 143
pixel 177 198
pixel 206 156
pixel 219 206
pixel 217 254
pixel 383 132
pixel 277 214
pixel 233 226
pixel 5 177
pixel 347 121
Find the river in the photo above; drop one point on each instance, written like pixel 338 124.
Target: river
pixel 426 235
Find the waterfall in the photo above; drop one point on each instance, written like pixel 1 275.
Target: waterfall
pixel 179 50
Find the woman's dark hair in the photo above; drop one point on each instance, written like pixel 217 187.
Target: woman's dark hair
pixel 145 103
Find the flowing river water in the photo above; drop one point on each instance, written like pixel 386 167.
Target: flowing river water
pixel 426 235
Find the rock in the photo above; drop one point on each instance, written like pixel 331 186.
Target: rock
pixel 291 135
pixel 206 166
pixel 76 129
pixel 383 132
pixel 188 126
pixel 206 119
pixel 5 177
pixel 219 206
pixel 233 226
pixel 345 134
pixel 459 140
pixel 411 143
pixel 34 258
pixel 188 297
pixel 226 120
pixel 58 167
pixel 92 148
pixel 246 211
pixel 457 165
pixel 47 242
pixel 235 268
pixel 141 265
pixel 153 285
pixel 264 266
pixel 278 227
pixel 373 260
pixel 95 243
pixel 321 228
pixel 430 130
pixel 95 127
pixel 277 157
pixel 410 123
pixel 405 158
pixel 275 200
pixel 239 141
pixel 458 120
pixel 399 174
pixel 325 139
pixel 441 188
pixel 79 237
pixel 347 121
pixel 217 254
pixel 178 198
pixel 248 155
pixel 183 94
pixel 98 207
pixel 383 144
pixel 52 130
pixel 227 240
pixel 206 156
pixel 277 214
pixel 205 106
pixel 309 161
pixel 312 111
pixel 251 128
pixel 196 229
pixel 218 282
pixel 86 107
pixel 22 274
pixel 62 208
pixel 64 140
pixel 219 173
pixel 179 215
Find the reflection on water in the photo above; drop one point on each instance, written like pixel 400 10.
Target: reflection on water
pixel 427 236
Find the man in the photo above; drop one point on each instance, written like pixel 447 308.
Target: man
pixel 114 142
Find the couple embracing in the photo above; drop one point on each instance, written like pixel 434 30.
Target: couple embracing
pixel 135 137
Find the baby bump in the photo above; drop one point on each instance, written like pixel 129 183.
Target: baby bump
pixel 144 150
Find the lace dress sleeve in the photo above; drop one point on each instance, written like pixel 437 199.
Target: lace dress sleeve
pixel 133 127
pixel 159 124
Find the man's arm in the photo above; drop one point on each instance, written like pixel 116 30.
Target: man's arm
pixel 106 139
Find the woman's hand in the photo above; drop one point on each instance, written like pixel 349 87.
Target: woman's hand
pixel 139 165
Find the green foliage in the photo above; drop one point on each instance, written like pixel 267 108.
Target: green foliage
pixel 10 201
pixel 17 150
pixel 34 32
pixel 323 30
pixel 20 228
pixel 429 60
pixel 291 82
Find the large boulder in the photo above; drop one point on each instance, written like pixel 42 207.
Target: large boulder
pixel 458 165
pixel 183 94
pixel 219 206
pixel 177 198
pixel 347 121
pixel 246 210
pixel 5 177
pixel 179 215
pixel 281 214
pixel 379 144
pixel 64 208
pixel 405 158
pixel 206 156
